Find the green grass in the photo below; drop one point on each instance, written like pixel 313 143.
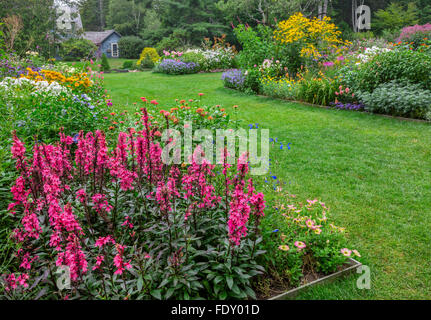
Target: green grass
pixel 373 172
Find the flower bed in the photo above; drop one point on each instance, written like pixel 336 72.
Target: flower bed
pixel 306 60
pixel 168 239
pixel 171 66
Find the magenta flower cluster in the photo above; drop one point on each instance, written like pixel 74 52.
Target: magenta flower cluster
pixel 64 197
pixel 407 32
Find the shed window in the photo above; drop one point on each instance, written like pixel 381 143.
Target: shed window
pixel 114 50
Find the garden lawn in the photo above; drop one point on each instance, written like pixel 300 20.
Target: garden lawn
pixel 373 172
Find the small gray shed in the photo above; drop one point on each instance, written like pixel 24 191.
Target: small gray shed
pixel 106 41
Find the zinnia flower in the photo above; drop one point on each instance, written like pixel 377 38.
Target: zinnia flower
pixel 284 247
pixel 346 252
pixel 300 245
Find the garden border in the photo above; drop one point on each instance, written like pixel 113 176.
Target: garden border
pixel 352 265
pixel 331 108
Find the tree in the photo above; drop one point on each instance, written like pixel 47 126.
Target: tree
pixel 38 30
pixel 127 16
pixel 194 19
pixel 396 16
pixel 94 14
pixel 104 65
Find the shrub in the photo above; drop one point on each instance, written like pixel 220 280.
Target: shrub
pixel 127 64
pixel 76 49
pixel 257 44
pixel 313 36
pixel 131 46
pixel 148 58
pixel 41 108
pixel 252 80
pixel 398 99
pixel 104 65
pixel 171 66
pixel 412 66
pixel 172 42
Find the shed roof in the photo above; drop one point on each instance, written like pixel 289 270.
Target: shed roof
pixel 97 37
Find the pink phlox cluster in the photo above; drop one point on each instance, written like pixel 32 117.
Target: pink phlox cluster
pixel 81 195
pixel 409 31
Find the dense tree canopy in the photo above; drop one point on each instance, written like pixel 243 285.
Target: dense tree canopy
pixel 170 23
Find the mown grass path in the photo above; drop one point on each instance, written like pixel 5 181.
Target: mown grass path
pixel 373 172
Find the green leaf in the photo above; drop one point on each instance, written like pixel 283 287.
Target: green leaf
pixel 140 283
pixel 164 282
pixel 157 294
pixel 229 281
pixel 169 293
pixel 223 295
pixel 218 279
pixel 250 292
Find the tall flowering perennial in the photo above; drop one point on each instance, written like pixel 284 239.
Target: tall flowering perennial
pixel 242 203
pixel 408 32
pixel 104 212
pixel 312 35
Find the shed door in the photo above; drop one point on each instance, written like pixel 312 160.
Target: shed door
pixel 114 50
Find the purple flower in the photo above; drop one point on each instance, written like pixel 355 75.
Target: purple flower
pixel 233 78
pixel 171 66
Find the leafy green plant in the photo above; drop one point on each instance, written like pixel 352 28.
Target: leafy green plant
pixel 76 49
pixel 402 64
pixel 257 45
pixel 104 65
pixel 131 46
pixel 316 90
pixel 399 99
pixel 127 64
pixel 155 231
